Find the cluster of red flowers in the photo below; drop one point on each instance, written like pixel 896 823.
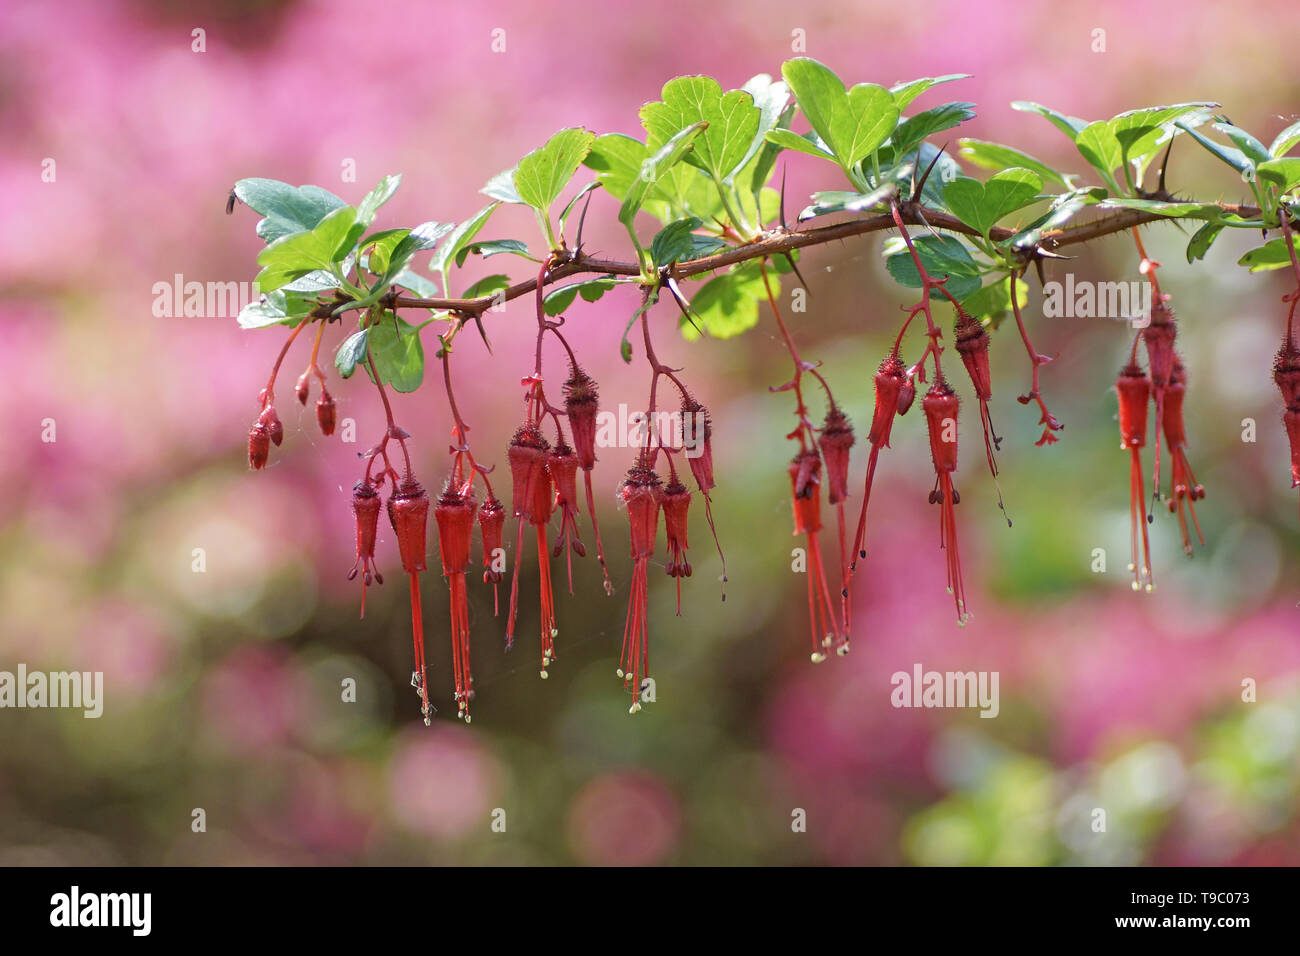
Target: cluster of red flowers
pixel 544 472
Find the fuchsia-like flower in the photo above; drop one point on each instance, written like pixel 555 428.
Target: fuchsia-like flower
pixel 365 505
pixel 676 503
pixel 642 492
pixel 1184 491
pixel 533 502
pixel 1134 394
pixel 835 439
pixel 581 405
pixel 562 464
pixel 940 406
pixel 408 513
pixel 454 514
pixel 973 346
pixel 805 487
pixel 890 380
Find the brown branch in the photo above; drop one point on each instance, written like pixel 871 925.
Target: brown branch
pixel 781 241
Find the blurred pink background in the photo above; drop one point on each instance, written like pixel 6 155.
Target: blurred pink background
pixel 222 688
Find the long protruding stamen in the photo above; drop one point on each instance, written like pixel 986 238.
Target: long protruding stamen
pixel 595 529
pixel 858 550
pixel 417 634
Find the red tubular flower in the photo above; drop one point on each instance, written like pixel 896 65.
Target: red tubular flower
pixel 891 378
pixel 562 464
pixel 835 440
pixel 940 406
pixel 533 501
pixel 365 506
pixel 454 514
pixel 1159 340
pixel 259 445
pixel 805 486
pixel 492 522
pixel 1286 372
pixel 408 512
pixel 1134 394
pixel 325 412
pixel 581 404
pixel 697 436
pixel 1183 487
pixel 973 346
pixel 1291 419
pixel 642 492
pixel 676 503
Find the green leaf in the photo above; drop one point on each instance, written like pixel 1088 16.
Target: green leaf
pixel 1233 157
pixel 276 308
pixel 771 99
pixel 674 241
pixel 981 205
pixel 542 175
pixel 653 167
pixel 423 237
pixel 732 123
pixel 616 160
pixel 591 290
pixel 846 201
pixel 994 300
pixel 421 286
pixel 501 187
pixel 1175 210
pixel 1140 132
pixel 1272 255
pixel 459 237
pixel 1283 173
pixel 912 130
pixel 1285 140
pixel 488 285
pixel 852 123
pixel 351 352
pixel 1250 147
pixel 1062 210
pixel 904 93
pixel 494 247
pixel 727 305
pixel 569 207
pixel 287 209
pixel 1101 148
pixel 299 253
pixel 381 245
pixel 1201 241
pixel 809 143
pixel 1069 125
pixel 398 354
pixel 370 203
pixel 941 255
pixel 996 156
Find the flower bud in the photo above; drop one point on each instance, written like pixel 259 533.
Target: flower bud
pixel 697 432
pixel 1134 395
pixel 906 395
pixel 365 506
pixel 408 512
pixel 527 457
pixel 325 412
pixel 303 387
pixel 940 406
pixel 491 522
pixel 581 399
pixel 891 379
pixel 805 486
pixel 676 503
pixel 835 440
pixel 275 428
pixel 642 491
pixel 454 514
pixel 973 344
pixel 259 445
